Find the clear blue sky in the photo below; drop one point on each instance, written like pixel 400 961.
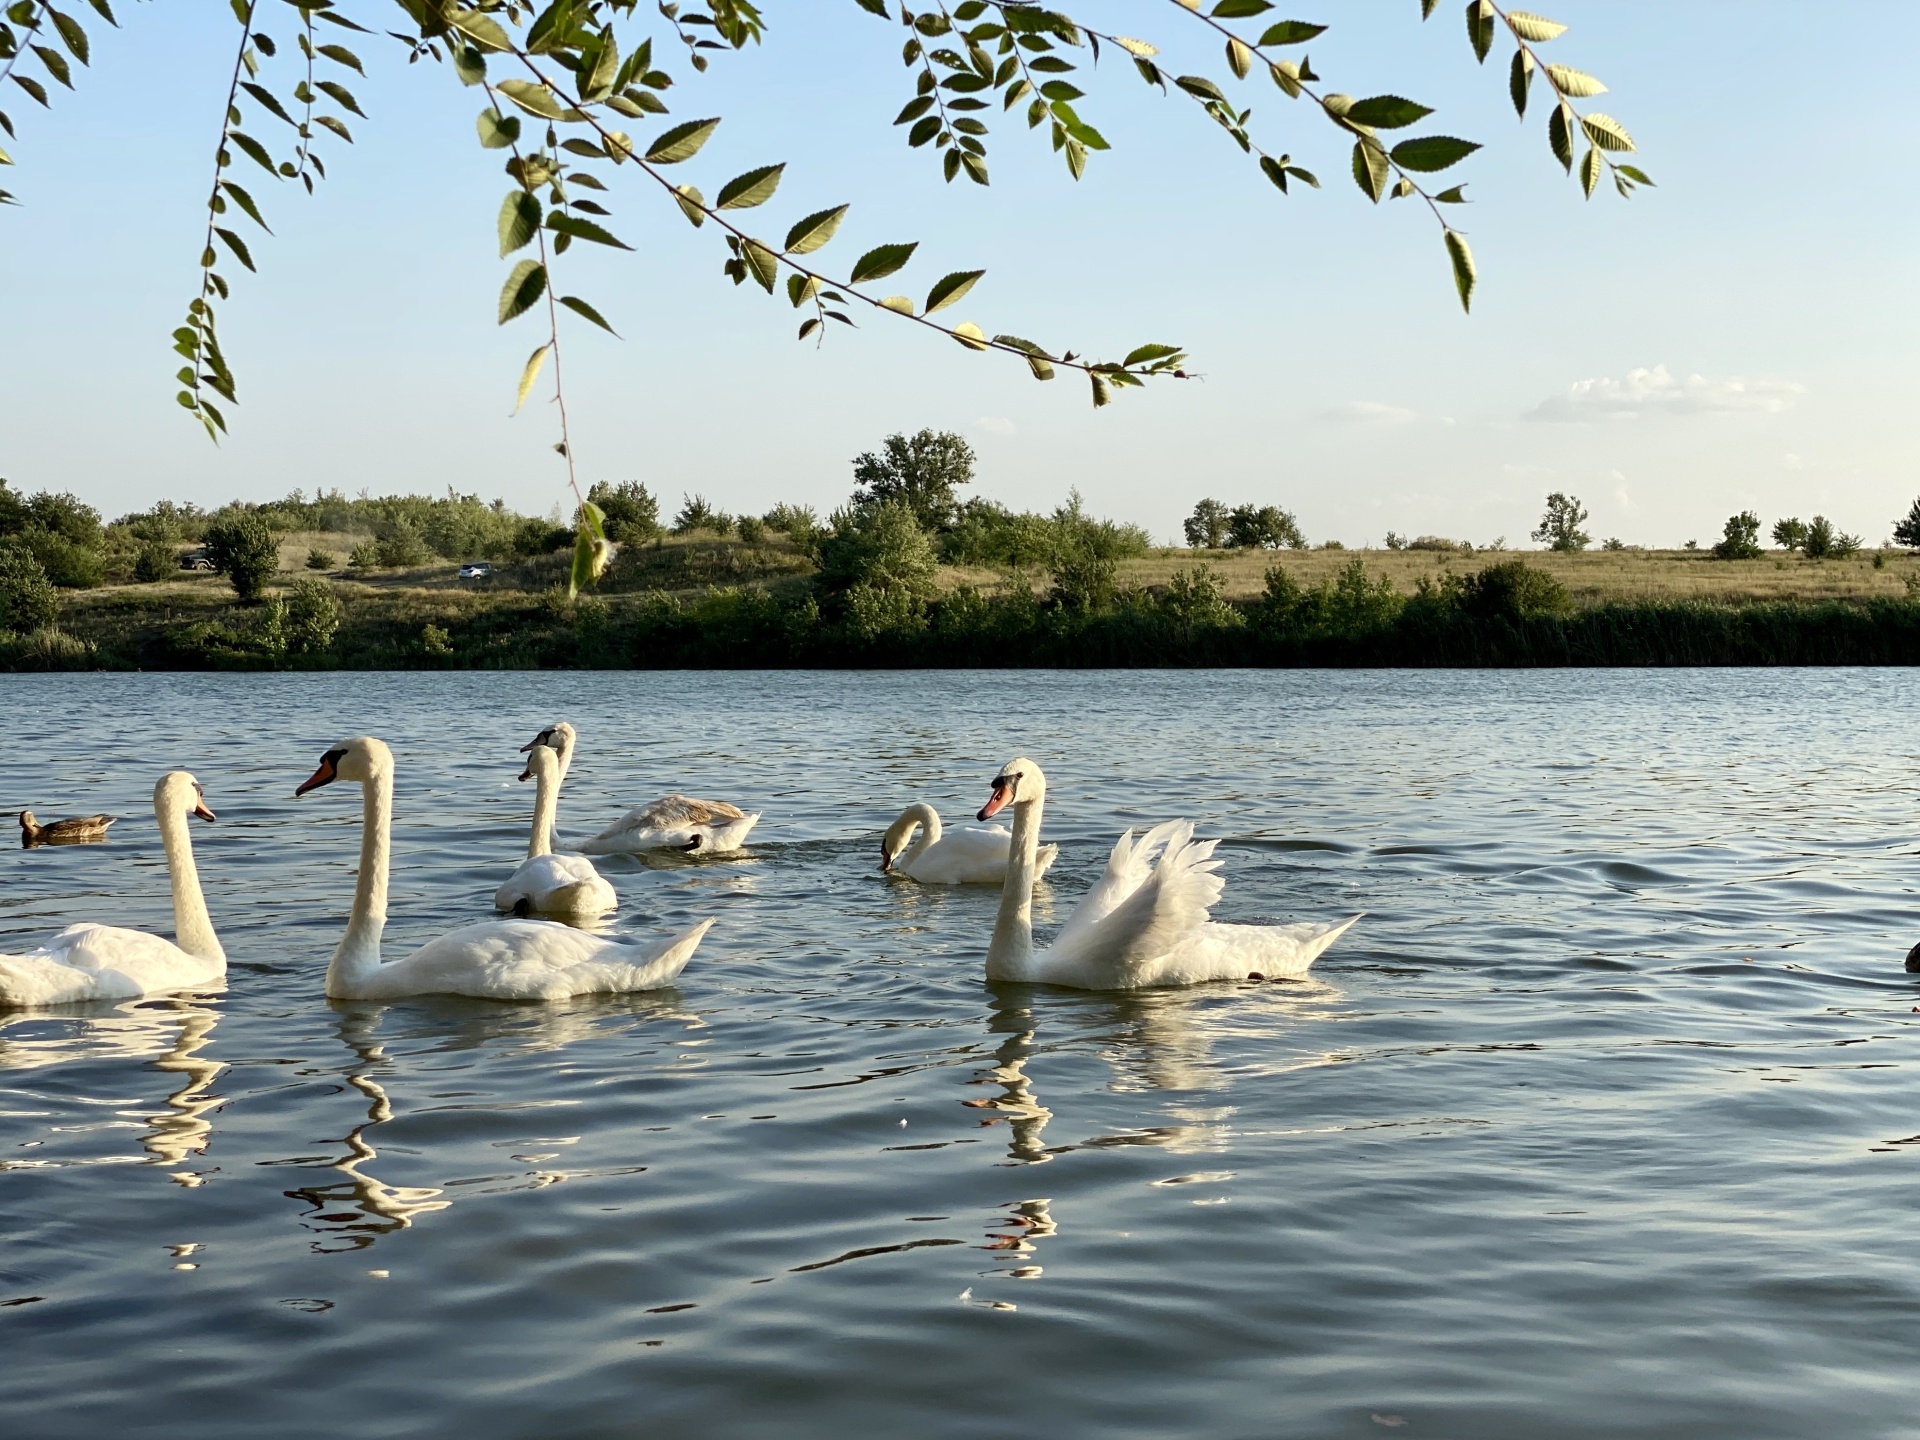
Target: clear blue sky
pixel 1742 336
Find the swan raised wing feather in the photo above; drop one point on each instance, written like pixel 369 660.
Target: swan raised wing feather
pixel 1122 950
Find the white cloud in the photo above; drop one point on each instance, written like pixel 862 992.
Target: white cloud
pixel 1658 391
pixel 995 425
pixel 1791 461
pixel 1372 412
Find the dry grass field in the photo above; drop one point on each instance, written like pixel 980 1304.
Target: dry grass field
pixel 689 564
pixel 1593 576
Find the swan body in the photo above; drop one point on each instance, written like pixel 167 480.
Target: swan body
pixel 108 962
pixel 673 822
pixel 492 960
pixel 938 856
pixel 546 883
pixel 1145 923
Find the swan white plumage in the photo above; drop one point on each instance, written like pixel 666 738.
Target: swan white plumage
pixel 938 856
pixel 546 883
pixel 106 962
pixel 673 822
pixel 492 960
pixel 1143 924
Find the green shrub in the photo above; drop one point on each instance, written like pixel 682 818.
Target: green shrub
pixel 1741 538
pixel 402 546
pixel 540 537
pixel 435 641
pixel 882 548
pixel 365 555
pixel 1614 542
pixel 1083 579
pixel 313 616
pixel 243 549
pixel 318 559
pixel 874 614
pixel 1512 590
pixel 155 561
pixel 797 522
pixel 696 514
pixel 984 533
pixel 631 512
pixel 752 530
pixel 1192 601
pixel 1907 532
pixel 28 601
pixel 1789 534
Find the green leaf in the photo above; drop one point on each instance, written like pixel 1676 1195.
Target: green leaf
pixel 245 202
pixel 255 151
pixel 1101 393
pixel 1463 271
pixel 237 245
pixel 1370 171
pixel 1635 174
pixel 1576 83
pixel 1520 81
pixel 1386 112
pixel 1291 32
pixel 690 202
pixel 497 131
pixel 519 221
pixel 1480 28
pixel 801 288
pixel 815 231
pixel 564 224
pixel 536 100
pixel 586 311
pixel 71 34
pixel 1430 153
pixel 899 304
pixel 950 288
pixel 762 262
pixel 682 142
pixel 525 285
pixel 483 30
pixel 882 261
pixel 529 374
pixel 1144 353
pixel 970 335
pixel 755 187
pixel 1455 196
pixel 1606 132
pixel 1240 9
pixel 1591 167
pixel 343 95
pixel 340 55
pixel 1536 28
pixel 1560 134
pixel 1274 171
pixel 1201 86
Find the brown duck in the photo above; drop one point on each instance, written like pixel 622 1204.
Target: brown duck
pixel 79 830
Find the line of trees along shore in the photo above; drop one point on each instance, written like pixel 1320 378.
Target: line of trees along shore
pixel 861 588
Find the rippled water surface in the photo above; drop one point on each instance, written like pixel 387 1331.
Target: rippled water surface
pixel 1603 1121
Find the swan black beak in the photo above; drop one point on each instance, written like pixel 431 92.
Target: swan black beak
pixel 886 860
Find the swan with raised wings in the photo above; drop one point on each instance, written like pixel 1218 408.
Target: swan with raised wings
pixel 673 822
pixel 938 856
pixel 546 883
pixel 492 960
pixel 1143 924
pixel 106 962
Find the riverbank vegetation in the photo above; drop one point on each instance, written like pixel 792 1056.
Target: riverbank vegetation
pixel 909 572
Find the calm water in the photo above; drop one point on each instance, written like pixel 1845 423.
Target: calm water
pixel 1604 1122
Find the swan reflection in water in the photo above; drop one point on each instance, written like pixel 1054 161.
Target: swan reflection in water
pixel 353 1212
pixel 168 1031
pixel 1153 1040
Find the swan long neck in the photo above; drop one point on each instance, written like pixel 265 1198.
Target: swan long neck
pixel 359 952
pixel 546 807
pixel 192 926
pixel 928 819
pixel 1011 949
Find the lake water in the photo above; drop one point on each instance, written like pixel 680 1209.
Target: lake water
pixel 1605 1120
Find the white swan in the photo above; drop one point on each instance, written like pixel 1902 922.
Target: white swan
pixel 939 856
pixel 495 959
pixel 546 883
pixel 105 962
pixel 673 822
pixel 1143 924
